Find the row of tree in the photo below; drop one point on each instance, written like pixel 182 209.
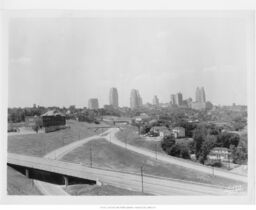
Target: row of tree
pixel 205 138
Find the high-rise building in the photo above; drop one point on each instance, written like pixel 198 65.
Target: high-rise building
pixel 200 94
pixel 203 97
pixel 135 99
pixel 179 99
pixel 173 99
pixel 93 103
pixel 113 97
pixel 200 103
pixel 155 101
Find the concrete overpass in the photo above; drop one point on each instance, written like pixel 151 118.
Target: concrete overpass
pixel 137 182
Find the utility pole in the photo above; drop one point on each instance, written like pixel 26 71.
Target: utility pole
pixel 156 150
pixel 213 170
pixel 90 155
pixel 141 172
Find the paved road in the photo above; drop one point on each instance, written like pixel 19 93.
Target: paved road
pixel 49 189
pixel 151 184
pixel 52 189
pixel 173 160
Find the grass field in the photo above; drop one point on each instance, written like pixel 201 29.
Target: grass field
pixel 18 184
pixel 129 134
pixel 43 143
pixel 109 156
pixel 107 190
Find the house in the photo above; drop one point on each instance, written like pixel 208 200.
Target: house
pixel 53 120
pixel 162 131
pixel 221 154
pixel 178 132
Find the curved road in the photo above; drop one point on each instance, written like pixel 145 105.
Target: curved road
pixel 50 189
pixel 172 160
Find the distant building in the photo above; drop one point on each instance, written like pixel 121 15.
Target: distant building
pixel 155 101
pixel 198 105
pixel 179 99
pixel 135 99
pixel 93 103
pixel 178 132
pixel 188 102
pixel 200 102
pixel 173 99
pixel 200 95
pixel 220 154
pixel 113 97
pixel 53 120
pixel 162 131
pixel 142 118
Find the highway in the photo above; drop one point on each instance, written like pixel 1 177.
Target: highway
pixel 173 160
pixel 50 189
pixel 151 184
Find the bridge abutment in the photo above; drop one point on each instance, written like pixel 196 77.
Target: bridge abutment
pixel 65 181
pixel 27 173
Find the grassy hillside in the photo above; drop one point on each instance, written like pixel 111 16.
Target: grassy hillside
pixel 18 184
pixel 43 143
pixel 109 156
pixel 129 134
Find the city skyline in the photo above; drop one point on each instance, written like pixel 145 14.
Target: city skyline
pixel 56 62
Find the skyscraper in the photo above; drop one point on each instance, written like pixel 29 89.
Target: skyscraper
pixel 200 103
pixel 135 99
pixel 113 97
pixel 155 101
pixel 200 94
pixel 93 103
pixel 179 99
pixel 173 99
pixel 203 97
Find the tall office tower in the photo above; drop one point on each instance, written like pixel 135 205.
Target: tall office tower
pixel 155 101
pixel 198 94
pixel 113 97
pixel 135 99
pixel 93 103
pixel 179 99
pixel 173 99
pixel 203 97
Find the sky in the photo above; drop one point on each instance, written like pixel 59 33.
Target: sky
pixel 66 61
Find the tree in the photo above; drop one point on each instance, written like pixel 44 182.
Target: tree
pixel 207 146
pixel 226 139
pixel 179 150
pixel 144 129
pixel 199 137
pixel 167 143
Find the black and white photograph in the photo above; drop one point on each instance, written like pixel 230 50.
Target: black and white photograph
pixel 129 103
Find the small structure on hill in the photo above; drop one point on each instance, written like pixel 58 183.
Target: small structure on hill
pixel 53 120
